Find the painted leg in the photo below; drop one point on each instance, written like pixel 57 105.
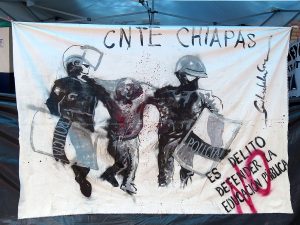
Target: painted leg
pixel 80 177
pixel 85 152
pixel 110 172
pixel 185 176
pixel 166 160
pixel 131 146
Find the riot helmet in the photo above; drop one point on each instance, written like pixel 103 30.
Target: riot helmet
pixel 78 60
pixel 190 65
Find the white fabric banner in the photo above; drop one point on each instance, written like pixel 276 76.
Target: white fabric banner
pixel 134 119
pixel 294 69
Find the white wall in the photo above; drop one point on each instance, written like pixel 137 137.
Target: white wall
pixel 6 63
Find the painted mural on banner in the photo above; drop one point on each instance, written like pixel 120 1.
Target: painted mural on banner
pixel 138 119
pixel 294 69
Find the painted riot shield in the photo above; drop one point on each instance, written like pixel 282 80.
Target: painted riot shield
pixel 207 143
pixel 69 142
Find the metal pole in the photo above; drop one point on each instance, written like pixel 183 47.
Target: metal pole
pixel 263 23
pixel 58 11
pixel 290 20
pixel 8 15
pixel 183 17
pixel 119 15
pixel 152 13
pixel 5 19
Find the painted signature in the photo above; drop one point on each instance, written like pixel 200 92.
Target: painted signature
pixel 259 103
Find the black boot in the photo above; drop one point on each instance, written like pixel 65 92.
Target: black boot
pixel 80 177
pixel 185 176
pixel 109 176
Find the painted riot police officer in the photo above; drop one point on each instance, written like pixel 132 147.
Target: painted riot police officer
pixel 179 107
pixel 74 101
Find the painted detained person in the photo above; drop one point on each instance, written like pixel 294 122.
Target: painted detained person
pixel 125 104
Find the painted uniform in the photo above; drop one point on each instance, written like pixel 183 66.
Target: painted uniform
pixel 74 101
pixel 179 107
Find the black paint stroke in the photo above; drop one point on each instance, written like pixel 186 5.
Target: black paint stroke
pixel 259 103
